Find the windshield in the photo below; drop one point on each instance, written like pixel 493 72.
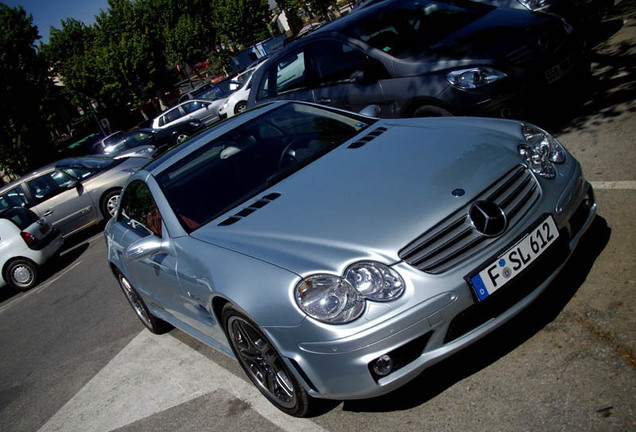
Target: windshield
pixel 82 168
pixel 245 161
pixel 408 27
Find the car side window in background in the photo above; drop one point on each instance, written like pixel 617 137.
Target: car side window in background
pixel 192 106
pixel 13 198
pixel 139 212
pixel 289 74
pixel 170 116
pixel 49 184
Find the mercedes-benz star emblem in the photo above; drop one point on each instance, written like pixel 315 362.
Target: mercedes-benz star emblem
pixel 488 218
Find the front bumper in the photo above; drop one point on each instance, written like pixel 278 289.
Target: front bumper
pixel 433 329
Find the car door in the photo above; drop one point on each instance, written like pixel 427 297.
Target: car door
pixel 62 200
pixel 200 110
pixel 153 276
pixel 345 77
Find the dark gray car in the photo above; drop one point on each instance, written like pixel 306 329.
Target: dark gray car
pixel 428 58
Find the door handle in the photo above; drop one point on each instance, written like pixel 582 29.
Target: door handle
pixel 324 100
pixel 48 212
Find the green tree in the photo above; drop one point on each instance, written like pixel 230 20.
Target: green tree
pixel 25 94
pixel 241 22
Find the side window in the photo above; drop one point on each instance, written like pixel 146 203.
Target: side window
pixel 170 116
pixel 335 62
pixel 288 74
pixel 13 198
pixel 192 106
pixel 49 184
pixel 138 210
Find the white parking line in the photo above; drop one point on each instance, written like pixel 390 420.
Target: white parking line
pixel 614 185
pixel 150 375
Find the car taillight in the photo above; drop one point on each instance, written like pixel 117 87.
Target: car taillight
pixel 28 238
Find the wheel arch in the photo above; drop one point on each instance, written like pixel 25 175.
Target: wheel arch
pixel 409 108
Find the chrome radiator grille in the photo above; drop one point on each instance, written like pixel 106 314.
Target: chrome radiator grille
pixel 455 239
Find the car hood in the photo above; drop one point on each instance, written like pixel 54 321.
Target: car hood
pixel 369 202
pixel 495 37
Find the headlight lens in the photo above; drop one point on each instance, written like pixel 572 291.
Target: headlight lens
pixel 541 151
pixel 375 281
pixel 338 300
pixel 474 77
pixel 533 4
pixel 330 299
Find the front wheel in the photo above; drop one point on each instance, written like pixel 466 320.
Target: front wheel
pixel 152 323
pixel 263 365
pixel 181 137
pixel 109 203
pixel 21 274
pixel 240 107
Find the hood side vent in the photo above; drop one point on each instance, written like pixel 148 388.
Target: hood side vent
pixel 368 137
pixel 249 209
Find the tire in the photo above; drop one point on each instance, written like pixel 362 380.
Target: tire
pixel 240 107
pixel 431 111
pixel 181 137
pixel 109 203
pixel 152 323
pixel 21 274
pixel 263 365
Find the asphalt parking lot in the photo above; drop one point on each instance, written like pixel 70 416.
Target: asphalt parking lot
pixel 75 358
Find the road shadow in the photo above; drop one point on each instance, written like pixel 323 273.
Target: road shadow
pixel 438 378
pixel 610 89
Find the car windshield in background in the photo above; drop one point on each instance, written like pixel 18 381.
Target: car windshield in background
pixel 409 27
pixel 238 165
pixel 82 168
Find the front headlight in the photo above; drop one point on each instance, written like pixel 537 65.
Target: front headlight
pixel 541 151
pixel 225 105
pixel 474 77
pixel 533 4
pixel 338 300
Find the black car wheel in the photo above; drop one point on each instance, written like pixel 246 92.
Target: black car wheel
pixel 152 323
pixel 109 203
pixel 181 137
pixel 240 107
pixel 21 274
pixel 263 365
pixel 431 111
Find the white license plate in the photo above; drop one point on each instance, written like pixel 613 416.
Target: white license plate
pixel 556 72
pixel 514 260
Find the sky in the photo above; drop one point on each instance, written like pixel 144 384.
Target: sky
pixel 47 13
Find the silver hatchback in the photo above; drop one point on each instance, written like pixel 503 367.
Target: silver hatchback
pixel 72 193
pixel 337 256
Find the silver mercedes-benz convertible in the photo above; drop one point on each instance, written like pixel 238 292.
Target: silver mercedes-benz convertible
pixel 336 256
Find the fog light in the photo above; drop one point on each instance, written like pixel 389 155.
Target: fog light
pixel 383 365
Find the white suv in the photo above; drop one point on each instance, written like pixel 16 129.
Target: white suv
pixel 26 243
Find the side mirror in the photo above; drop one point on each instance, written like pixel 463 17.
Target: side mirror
pixel 371 111
pixel 143 248
pixel 358 77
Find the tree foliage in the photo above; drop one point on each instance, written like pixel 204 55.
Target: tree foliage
pixel 25 93
pixel 241 22
pixel 127 57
